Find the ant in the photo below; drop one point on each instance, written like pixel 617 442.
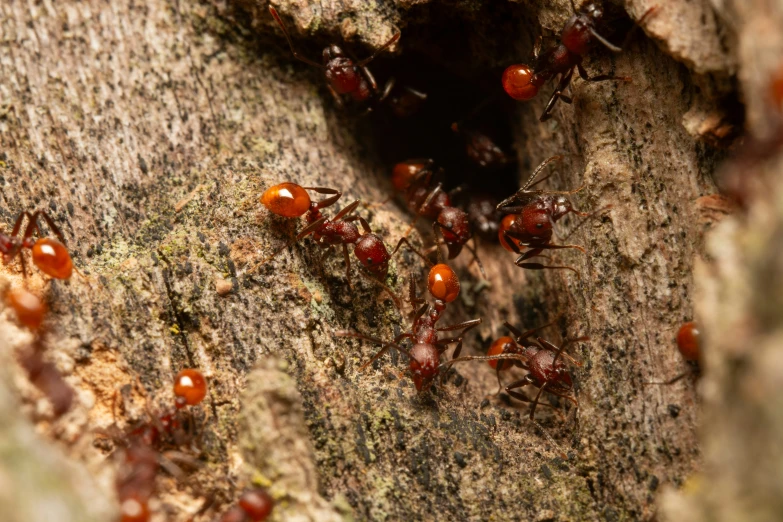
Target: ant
pixel 49 255
pixel 29 308
pixel 443 284
pixel 542 360
pixel 30 312
pixel 689 344
pixel 414 178
pixel 254 505
pixel 481 149
pixel 141 459
pixel 343 74
pixel 531 215
pixel 522 81
pixel 290 200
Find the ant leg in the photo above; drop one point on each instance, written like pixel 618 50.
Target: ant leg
pixel 335 195
pixel 520 336
pixel 539 248
pixel 18 222
pixel 535 401
pixel 565 80
pixel 382 48
pixel 370 78
pixel 298 56
pixel 347 265
pixel 606 43
pixel 387 88
pixel 336 95
pixel 412 249
pixel 601 78
pixel 467 325
pixel 395 297
pixel 385 345
pixel 539 266
pixel 346 210
pixel 430 197
pixel 49 222
pixel 670 381
pixel 536 52
pixel 573 7
pixel 474 250
pixel 559 351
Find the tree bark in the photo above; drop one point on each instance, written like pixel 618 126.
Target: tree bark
pixel 149 131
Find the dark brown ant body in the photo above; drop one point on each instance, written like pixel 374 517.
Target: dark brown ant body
pixel 427 347
pixel 522 81
pixel 542 360
pixel 481 149
pixel 530 218
pixel 49 255
pixel 344 76
pixel 415 178
pixel 290 200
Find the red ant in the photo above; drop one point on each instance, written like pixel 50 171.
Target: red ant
pixel 290 200
pixel 542 360
pixel 531 215
pixel 136 478
pixel 689 344
pixel 30 312
pixel 344 76
pixel 481 149
pixel 414 178
pixel 49 255
pixel 522 82
pixel 254 505
pixel 424 355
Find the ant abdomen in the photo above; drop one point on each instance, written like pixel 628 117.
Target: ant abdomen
pixel 286 200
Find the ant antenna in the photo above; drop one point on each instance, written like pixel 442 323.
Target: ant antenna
pixel 529 183
pixel 298 56
pixel 378 51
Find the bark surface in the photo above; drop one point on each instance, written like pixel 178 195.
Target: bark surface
pixel 149 131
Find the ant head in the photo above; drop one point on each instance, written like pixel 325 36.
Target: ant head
pixel 500 346
pixel 455 227
pixel 341 72
pixel 286 200
pixel 534 222
pixel 425 359
pixel 518 82
pixel 372 254
pixel 443 283
pixel 560 207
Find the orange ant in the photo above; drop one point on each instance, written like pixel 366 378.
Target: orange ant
pixel 424 355
pixel 522 81
pixel 254 505
pixel 531 215
pixel 49 255
pixel 414 178
pixel 343 74
pixel 30 309
pixel 290 200
pixel 689 344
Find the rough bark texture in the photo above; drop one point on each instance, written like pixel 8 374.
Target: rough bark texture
pixel 149 132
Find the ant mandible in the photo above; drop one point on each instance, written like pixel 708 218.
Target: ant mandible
pixel 344 76
pixel 531 215
pixel 49 255
pixel 414 178
pixel 522 81
pixel 424 355
pixel 290 200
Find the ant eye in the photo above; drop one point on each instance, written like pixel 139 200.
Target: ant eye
pixel 539 225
